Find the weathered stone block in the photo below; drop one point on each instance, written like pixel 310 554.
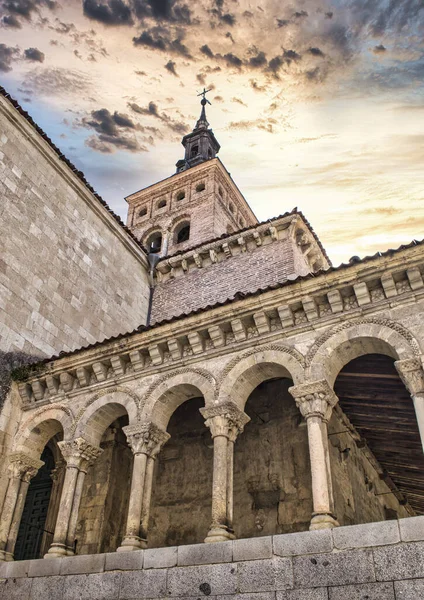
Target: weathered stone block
pixel 44 568
pixel 412 529
pixel 252 548
pixel 124 561
pixel 307 542
pixel 15 589
pixel 160 558
pixel 47 588
pixel 207 579
pixel 100 586
pixel 404 561
pixel 18 568
pixel 205 554
pixel 369 534
pixel 370 591
pixel 312 594
pixel 143 584
pixel 265 575
pixel 409 590
pixel 87 563
pixel 354 566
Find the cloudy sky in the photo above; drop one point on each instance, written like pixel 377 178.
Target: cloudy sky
pixel 317 104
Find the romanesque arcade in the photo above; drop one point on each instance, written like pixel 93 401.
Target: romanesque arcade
pixel 261 441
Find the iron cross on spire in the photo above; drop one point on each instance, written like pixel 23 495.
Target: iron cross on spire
pixel 203 94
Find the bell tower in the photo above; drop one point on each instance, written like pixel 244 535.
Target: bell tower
pixel 198 203
pixel 201 144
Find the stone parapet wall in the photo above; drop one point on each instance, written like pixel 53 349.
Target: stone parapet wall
pixel 376 561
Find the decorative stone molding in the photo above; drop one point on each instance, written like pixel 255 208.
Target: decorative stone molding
pixel 314 399
pixel 23 467
pixel 79 453
pixel 146 438
pixel 225 419
pixel 412 375
pixel 281 308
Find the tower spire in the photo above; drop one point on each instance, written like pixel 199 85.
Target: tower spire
pixel 201 144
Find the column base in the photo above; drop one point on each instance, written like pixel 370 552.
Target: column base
pixel 323 521
pixel 131 543
pixel 57 551
pixel 219 533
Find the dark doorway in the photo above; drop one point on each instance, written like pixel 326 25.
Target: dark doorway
pixel 32 527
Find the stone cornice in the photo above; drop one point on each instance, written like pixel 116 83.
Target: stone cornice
pixel 72 180
pixel 314 303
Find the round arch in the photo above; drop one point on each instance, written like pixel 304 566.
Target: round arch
pixel 345 342
pixel 167 394
pixel 244 373
pixel 102 410
pixel 42 426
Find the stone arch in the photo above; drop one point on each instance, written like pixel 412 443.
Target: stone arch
pixel 170 391
pixel 245 372
pixel 104 408
pixel 40 427
pixel 347 341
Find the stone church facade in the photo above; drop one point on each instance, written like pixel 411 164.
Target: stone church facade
pixel 197 376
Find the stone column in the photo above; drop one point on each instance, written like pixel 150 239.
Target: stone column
pixel 22 469
pixel 315 401
pixel 225 421
pixel 412 374
pixel 78 454
pixel 57 476
pixel 145 440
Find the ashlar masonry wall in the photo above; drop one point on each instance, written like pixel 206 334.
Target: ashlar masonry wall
pixel 377 561
pixel 69 274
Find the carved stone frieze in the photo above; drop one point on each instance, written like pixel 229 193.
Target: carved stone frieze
pixel 314 399
pixel 78 453
pixel 225 419
pixel 412 375
pixel 146 438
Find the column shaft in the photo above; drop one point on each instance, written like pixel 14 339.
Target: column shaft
pixel 230 485
pixel 219 531
pixel 132 540
pixel 8 511
pixel 73 519
pixel 418 400
pixel 16 520
pixel 59 545
pixel 147 497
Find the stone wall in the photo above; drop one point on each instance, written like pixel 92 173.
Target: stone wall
pixel 246 272
pixel 69 273
pixel 377 561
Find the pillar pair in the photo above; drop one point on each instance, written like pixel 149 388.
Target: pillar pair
pixel 225 421
pixel 316 401
pixel 22 469
pixel 79 455
pixel 145 440
pixel 412 375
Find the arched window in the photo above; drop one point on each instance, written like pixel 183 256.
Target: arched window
pixel 154 242
pixel 142 212
pixel 200 187
pixel 231 207
pixel 180 195
pixel 162 203
pixel 182 232
pixel 194 151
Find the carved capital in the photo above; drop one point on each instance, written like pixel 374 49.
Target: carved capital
pixel 225 419
pixel 79 453
pixel 23 467
pixel 146 438
pixel 314 399
pixel 412 375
